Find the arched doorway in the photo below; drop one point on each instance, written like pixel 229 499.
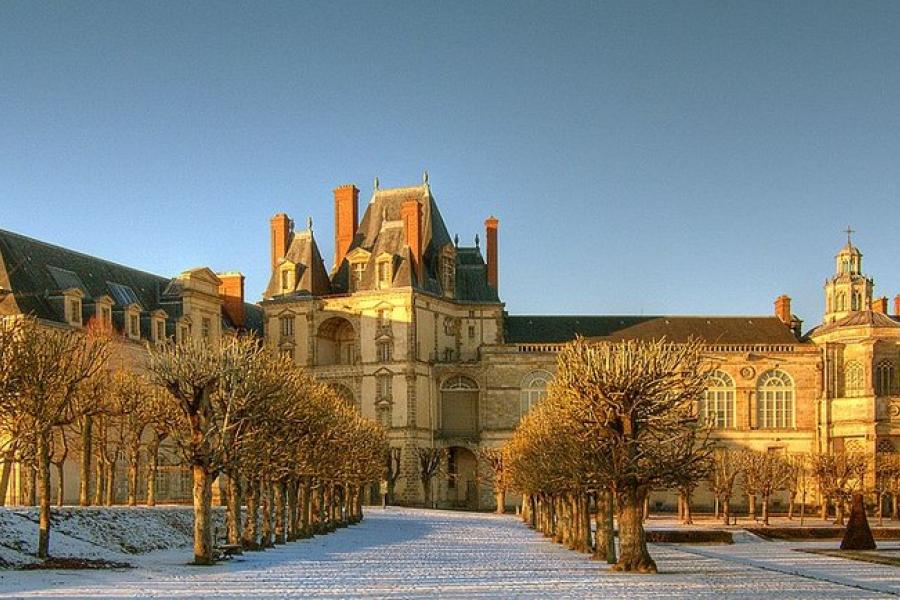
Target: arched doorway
pixel 462 482
pixel 346 394
pixel 336 343
pixel 459 407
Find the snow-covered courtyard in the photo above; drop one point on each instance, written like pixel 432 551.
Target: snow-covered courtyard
pixel 406 553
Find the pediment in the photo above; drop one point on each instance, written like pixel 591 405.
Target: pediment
pixel 359 255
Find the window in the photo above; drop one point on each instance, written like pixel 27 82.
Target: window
pixel 106 316
pixel 287 353
pixel 359 269
pixel 384 387
pixel 841 301
pixel 854 379
pixel 856 301
pixel 459 407
pixel 775 400
pixel 717 407
pixel 160 331
pixel 384 352
pixel 286 283
pixel 185 333
pixel 385 276
pixel 471 332
pixel 884 377
pixel 287 327
pixel 205 328
pixel 447 274
pixel 534 389
pixel 74 311
pixel 134 325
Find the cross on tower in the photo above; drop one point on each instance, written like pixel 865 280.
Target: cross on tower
pixel 849 232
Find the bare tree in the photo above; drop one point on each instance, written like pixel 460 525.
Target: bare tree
pixel 430 460
pixel 496 474
pixel 725 469
pixel 839 475
pixel 769 473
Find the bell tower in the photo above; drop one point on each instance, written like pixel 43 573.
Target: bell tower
pixel 848 290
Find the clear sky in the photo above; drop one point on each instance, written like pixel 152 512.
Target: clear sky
pixel 642 157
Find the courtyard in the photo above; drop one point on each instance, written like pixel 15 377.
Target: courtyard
pixel 410 553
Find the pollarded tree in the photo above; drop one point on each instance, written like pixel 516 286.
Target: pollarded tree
pixel 769 472
pixel 430 460
pixel 839 475
pixel 725 469
pixel 48 365
pixel 636 399
pixel 496 473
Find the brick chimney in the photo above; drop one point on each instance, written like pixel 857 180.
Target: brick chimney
pixel 897 305
pixel 231 290
pixel 346 220
pixel 490 226
pixel 880 305
pixel 411 213
pixel 783 309
pixel 281 227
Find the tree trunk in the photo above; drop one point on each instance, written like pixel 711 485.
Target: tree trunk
pixel 4 479
pixel 726 510
pixel 203 542
pixel 266 529
pixel 29 485
pixel 632 542
pixel 751 506
pixel 686 507
pixel 824 509
pixel 426 488
pixel 500 496
pixel 280 537
pixel 839 512
pixel 111 483
pixel 152 467
pixel 895 509
pixel 43 456
pixel 251 527
pixel 133 464
pixel 233 510
pixel 791 507
pixel 293 516
pixel 305 509
pixel 84 486
pixel 765 509
pixel 61 488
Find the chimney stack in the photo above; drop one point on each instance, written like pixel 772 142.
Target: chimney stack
pixel 880 305
pixel 783 309
pixel 231 291
pixel 346 220
pixel 897 305
pixel 490 226
pixel 411 213
pixel 281 227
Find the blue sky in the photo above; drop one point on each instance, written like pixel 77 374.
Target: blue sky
pixel 642 157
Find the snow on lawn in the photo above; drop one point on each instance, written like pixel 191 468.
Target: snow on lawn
pixel 404 553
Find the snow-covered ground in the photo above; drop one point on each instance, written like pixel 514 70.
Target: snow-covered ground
pixel 404 553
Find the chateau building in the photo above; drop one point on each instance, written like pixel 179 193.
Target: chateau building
pixel 70 290
pixel 409 326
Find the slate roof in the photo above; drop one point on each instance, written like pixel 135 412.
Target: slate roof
pixel 311 277
pixel 712 330
pixel 38 273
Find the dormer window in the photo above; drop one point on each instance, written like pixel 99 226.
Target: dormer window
pixel 160 331
pixel 206 327
pixel 285 280
pixel 72 304
pixel 133 321
pixel 359 271
pixel 384 274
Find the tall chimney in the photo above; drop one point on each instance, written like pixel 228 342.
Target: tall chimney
pixel 897 305
pixel 346 217
pixel 281 227
pixel 490 226
pixel 411 213
pixel 231 290
pixel 880 305
pixel 783 309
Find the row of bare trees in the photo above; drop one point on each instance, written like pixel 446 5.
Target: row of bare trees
pixel 618 421
pixel 284 444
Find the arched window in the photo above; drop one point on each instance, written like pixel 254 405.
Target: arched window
pixel 534 389
pixel 856 301
pixel 854 379
pixel 775 400
pixel 884 378
pixel 336 343
pixel 841 301
pixel 717 408
pixel 459 407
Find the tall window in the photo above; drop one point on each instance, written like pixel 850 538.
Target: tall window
pixel 775 400
pixel 287 327
pixel 534 389
pixel 206 327
pixel 841 301
pixel 385 387
pixel 74 311
pixel 884 377
pixel 717 408
pixel 854 379
pixel 160 331
pixel 856 301
pixel 134 324
pixel 384 352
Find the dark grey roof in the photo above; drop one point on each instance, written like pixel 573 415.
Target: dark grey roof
pixel 471 277
pixel 311 277
pixel 862 318
pixel 713 330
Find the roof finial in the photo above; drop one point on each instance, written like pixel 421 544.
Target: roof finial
pixel 477 241
pixel 309 224
pixel 425 177
pixel 849 232
pixel 376 184
pixel 456 240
